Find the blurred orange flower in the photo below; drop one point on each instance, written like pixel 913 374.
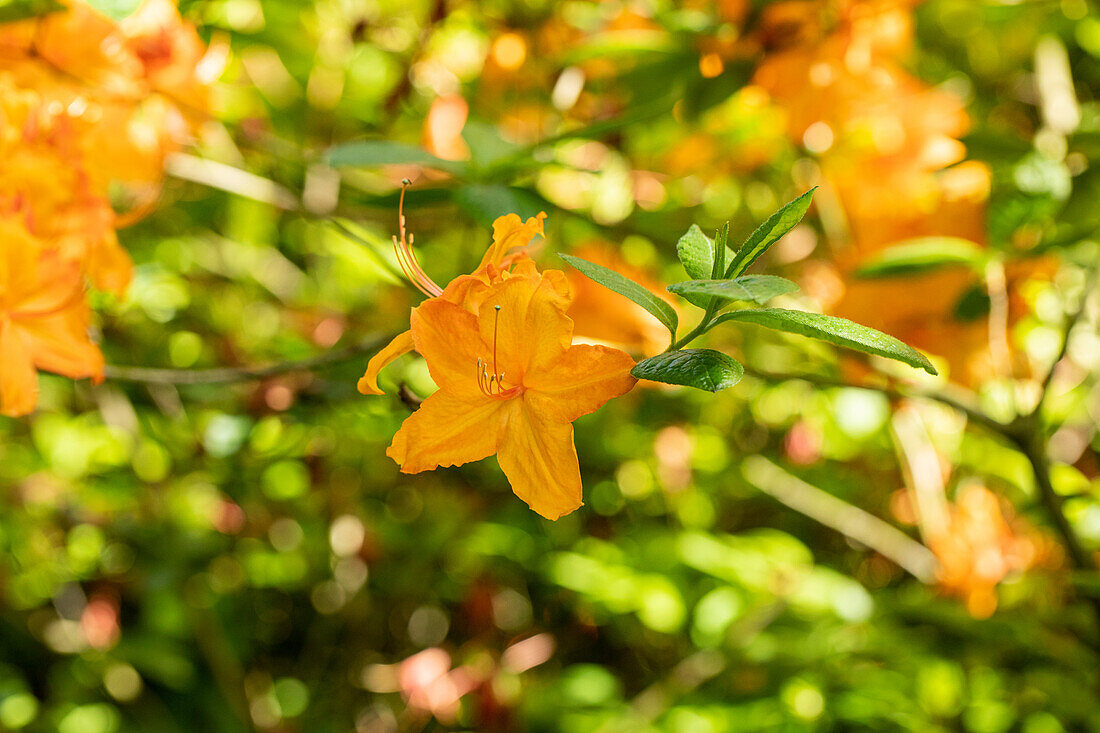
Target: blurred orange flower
pixel 43 320
pixel 980 548
pixel 604 316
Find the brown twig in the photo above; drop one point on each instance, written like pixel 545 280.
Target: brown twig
pixel 228 375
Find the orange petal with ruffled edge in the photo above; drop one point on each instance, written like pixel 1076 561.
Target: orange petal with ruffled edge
pixel 401 345
pixel 580 381
pixel 448 430
pixel 539 459
pixel 59 343
pixel 530 328
pixel 18 379
pixel 510 232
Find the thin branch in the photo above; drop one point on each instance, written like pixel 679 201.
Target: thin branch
pixel 972 412
pixel 228 375
pixel 1071 323
pixel 849 520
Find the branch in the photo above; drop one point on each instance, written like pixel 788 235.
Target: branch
pixel 972 412
pixel 228 375
pixel 849 520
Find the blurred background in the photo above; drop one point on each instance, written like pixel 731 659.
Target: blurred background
pixel 214 540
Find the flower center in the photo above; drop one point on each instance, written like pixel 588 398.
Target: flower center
pixel 491 384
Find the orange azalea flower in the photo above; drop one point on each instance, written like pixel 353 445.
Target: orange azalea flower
pixel 511 383
pixel 981 547
pixel 509 233
pixel 43 320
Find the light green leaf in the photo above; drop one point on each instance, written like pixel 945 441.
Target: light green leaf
pixel 366 153
pixel 923 254
pixel 12 10
pixel 769 233
pixel 839 331
pixel 755 288
pixel 115 9
pixel 626 287
pixel 696 253
pixel 704 369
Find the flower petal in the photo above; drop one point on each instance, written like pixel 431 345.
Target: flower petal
pixel 510 232
pixel 18 379
pixel 539 459
pixel 401 345
pixel 447 430
pixel 530 329
pixel 59 343
pixel 579 382
pixel 446 336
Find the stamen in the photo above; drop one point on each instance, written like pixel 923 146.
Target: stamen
pixel 491 385
pixel 406 258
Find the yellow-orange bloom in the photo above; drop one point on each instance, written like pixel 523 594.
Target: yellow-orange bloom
pixel 511 383
pixel 509 233
pixel 43 320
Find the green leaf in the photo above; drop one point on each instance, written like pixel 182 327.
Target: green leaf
pixel 839 331
pixel 12 10
pixel 115 9
pixel 769 233
pixel 486 202
pixel 719 267
pixel 366 153
pixel 973 304
pixel 755 288
pixel 923 254
pixel 704 369
pixel 696 253
pixel 612 280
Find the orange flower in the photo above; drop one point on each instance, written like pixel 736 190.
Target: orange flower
pixel 511 383
pixel 509 233
pixel 980 548
pixel 43 320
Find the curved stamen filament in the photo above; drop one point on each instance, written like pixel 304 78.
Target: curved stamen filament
pixel 406 258
pixel 491 385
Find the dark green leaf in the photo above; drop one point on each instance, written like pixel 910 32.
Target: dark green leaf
pixel 12 10
pixel 366 153
pixel 486 202
pixel 704 369
pixel 696 253
pixel 755 288
pixel 626 287
pixel 769 233
pixel 923 254
pixel 835 330
pixel 972 304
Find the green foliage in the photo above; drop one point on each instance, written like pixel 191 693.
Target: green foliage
pixel 921 255
pixel 768 233
pixel 839 331
pixel 754 288
pixel 367 153
pixel 703 369
pixel 11 10
pixel 626 287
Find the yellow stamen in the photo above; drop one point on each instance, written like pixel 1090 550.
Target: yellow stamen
pixel 491 385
